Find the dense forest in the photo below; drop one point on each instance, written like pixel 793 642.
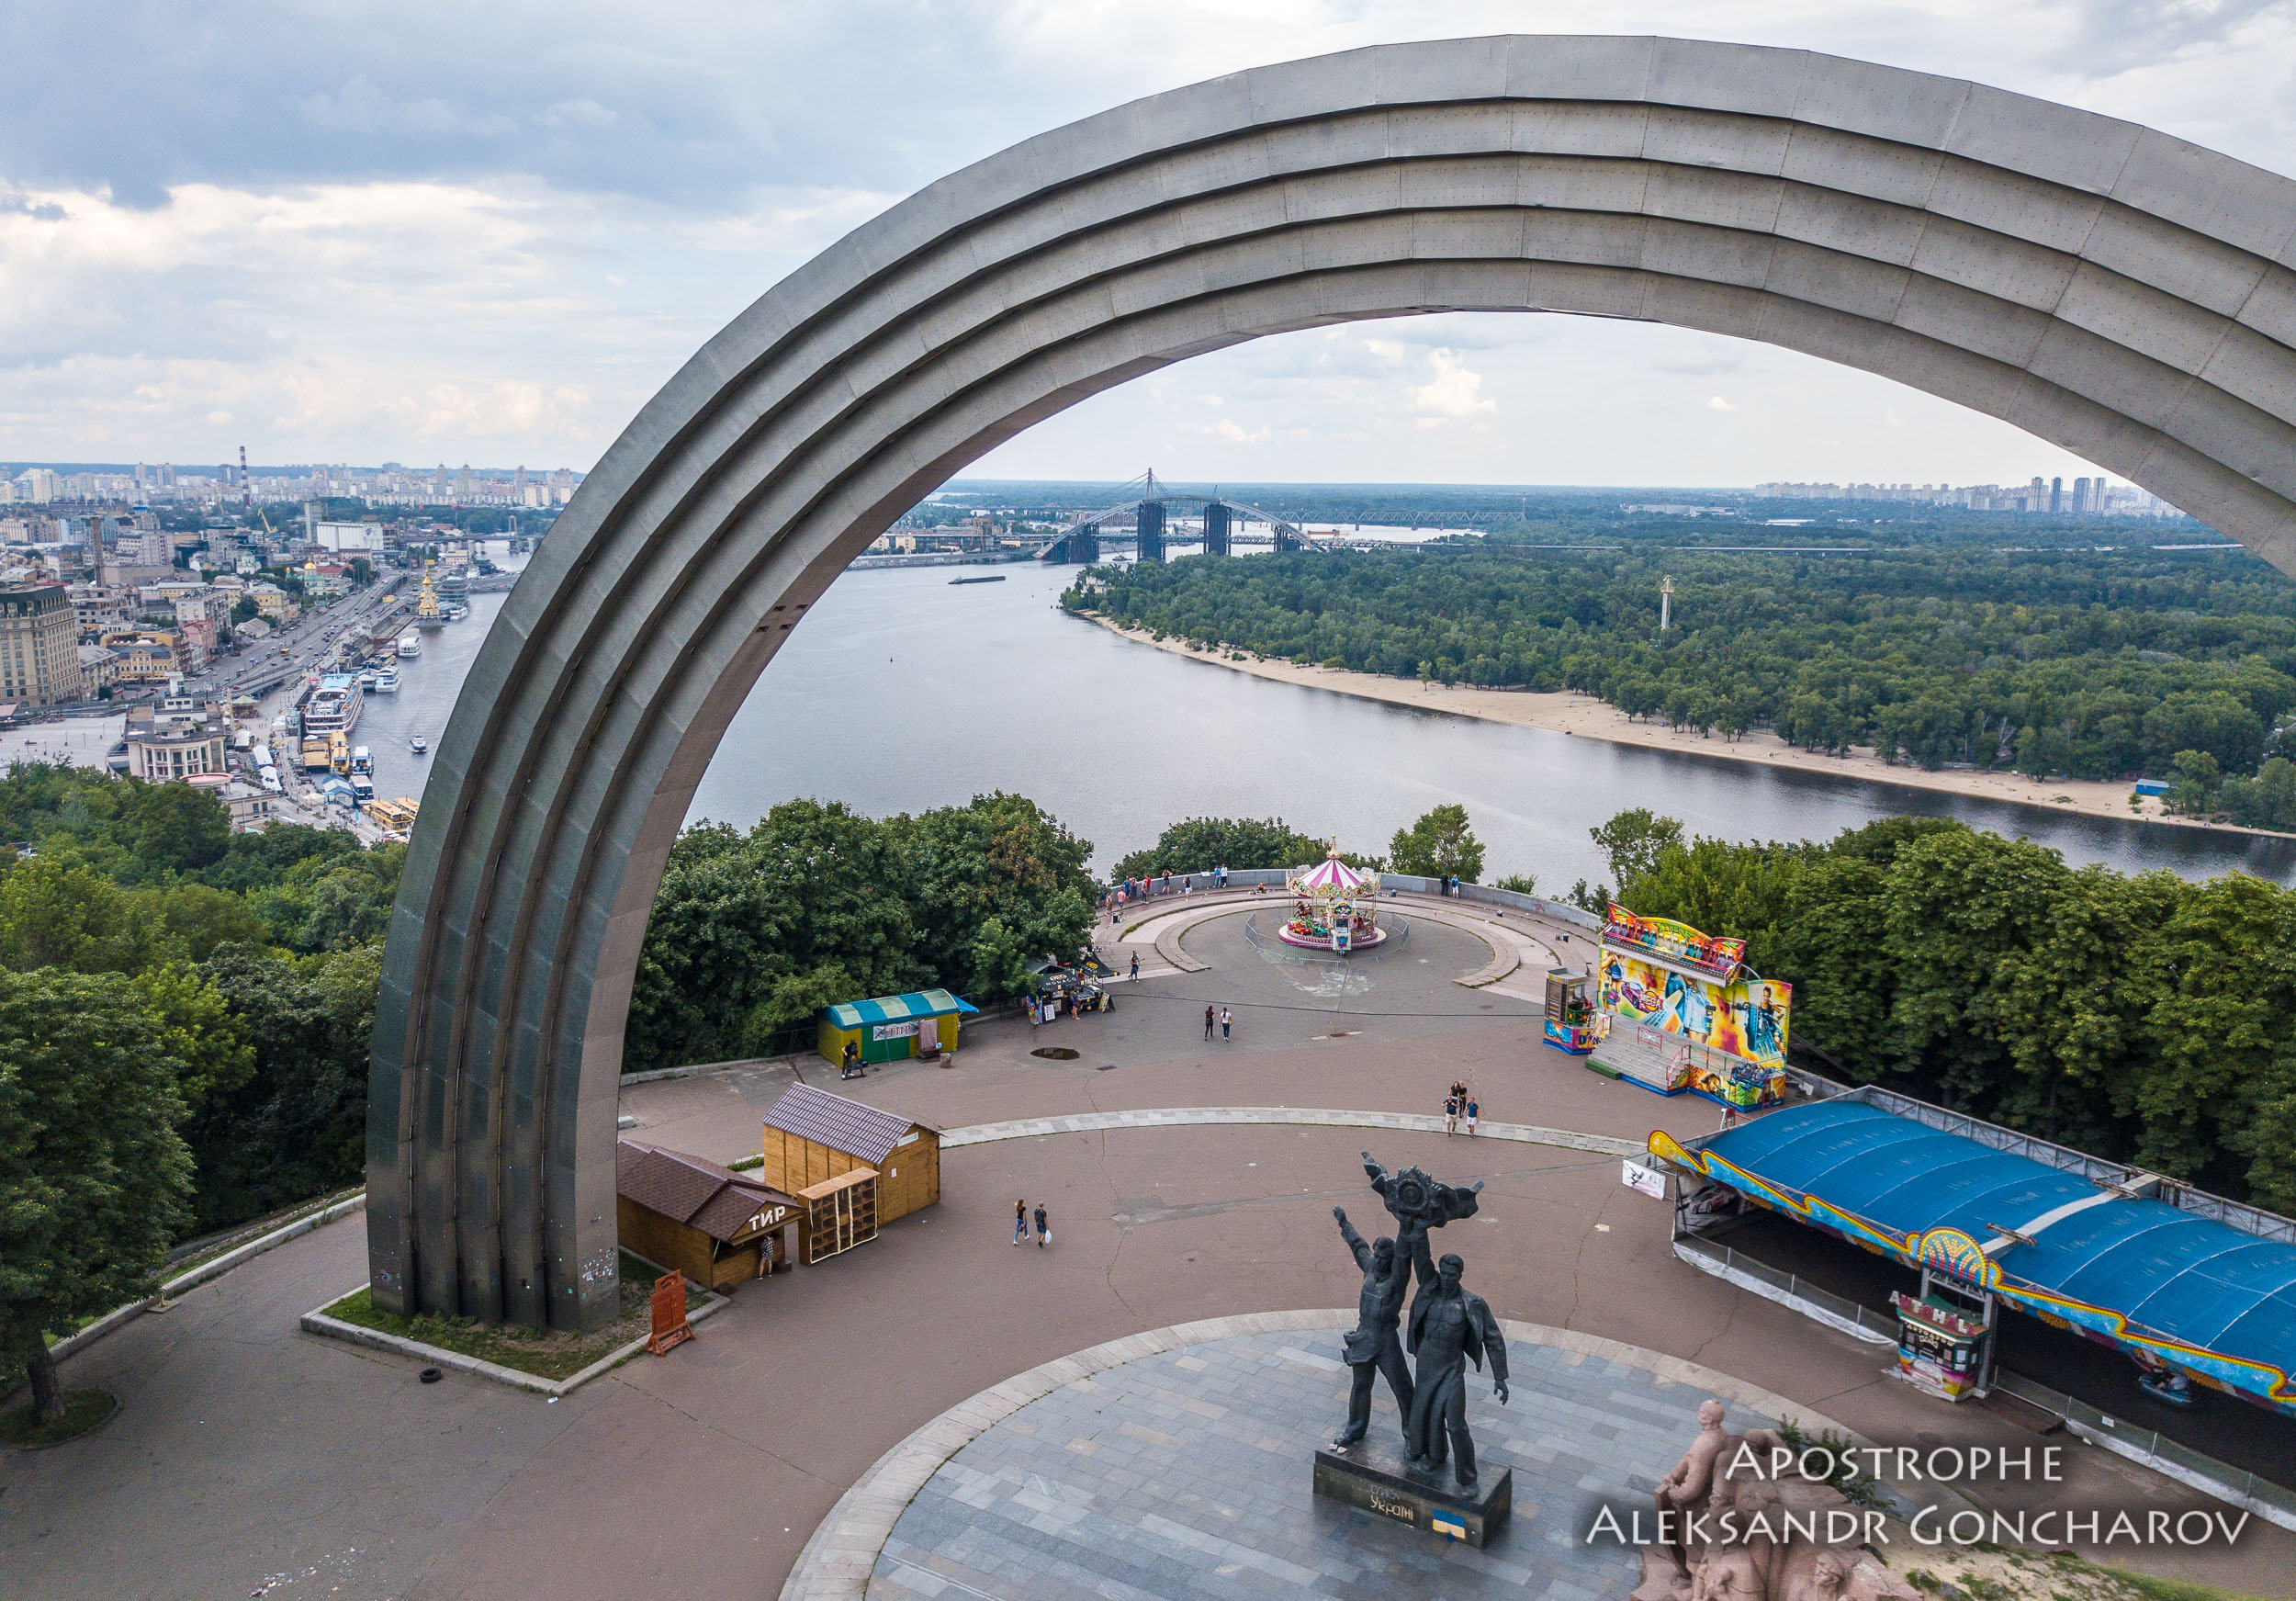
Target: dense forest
pixel 2091 664
pixel 2143 1018
pixel 753 933
pixel 252 959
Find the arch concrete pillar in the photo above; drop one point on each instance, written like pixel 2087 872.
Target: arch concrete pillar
pixel 2105 287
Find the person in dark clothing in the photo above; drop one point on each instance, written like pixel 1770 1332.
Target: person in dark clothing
pixel 1209 1019
pixel 1019 1220
pixel 1043 1228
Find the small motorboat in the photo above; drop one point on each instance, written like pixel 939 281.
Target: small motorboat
pixel 420 743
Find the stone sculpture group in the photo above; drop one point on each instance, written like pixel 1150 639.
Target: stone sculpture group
pixel 1450 1325
pixel 1725 1532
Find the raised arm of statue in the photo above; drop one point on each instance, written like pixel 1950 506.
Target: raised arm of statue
pixel 1376 1174
pixel 1355 1245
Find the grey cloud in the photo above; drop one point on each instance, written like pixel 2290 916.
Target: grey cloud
pixel 686 100
pixel 2120 34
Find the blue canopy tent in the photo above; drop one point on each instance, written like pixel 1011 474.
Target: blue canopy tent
pixel 2080 1246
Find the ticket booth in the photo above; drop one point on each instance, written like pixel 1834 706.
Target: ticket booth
pixel 1572 1014
pixel 1941 1344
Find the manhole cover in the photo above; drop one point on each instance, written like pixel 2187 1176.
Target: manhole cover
pixel 1056 1053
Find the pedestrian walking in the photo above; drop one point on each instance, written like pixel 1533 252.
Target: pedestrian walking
pixel 1207 1022
pixel 1450 1115
pixel 1019 1220
pixel 1043 1228
pixel 1136 964
pixel 1473 1112
pixel 1226 1018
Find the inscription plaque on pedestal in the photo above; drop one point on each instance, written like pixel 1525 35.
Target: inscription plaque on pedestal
pixel 1374 1478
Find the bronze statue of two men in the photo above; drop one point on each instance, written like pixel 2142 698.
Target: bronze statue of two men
pixel 1450 1325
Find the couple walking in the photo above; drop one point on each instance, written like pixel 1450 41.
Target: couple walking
pixel 1020 1224
pixel 1460 1103
pixel 1221 1017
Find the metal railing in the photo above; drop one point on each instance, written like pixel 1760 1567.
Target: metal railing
pixel 1790 1285
pixel 2276 1503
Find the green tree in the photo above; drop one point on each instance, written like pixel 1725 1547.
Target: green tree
pixel 56 911
pixel 172 828
pixel 92 1174
pixel 1201 843
pixel 1440 845
pixel 1633 841
pixel 1001 858
pixel 296 1126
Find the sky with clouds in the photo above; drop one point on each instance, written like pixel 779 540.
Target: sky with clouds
pixel 336 229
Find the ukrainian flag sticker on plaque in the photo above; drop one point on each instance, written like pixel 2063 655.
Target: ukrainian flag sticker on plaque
pixel 1449 1523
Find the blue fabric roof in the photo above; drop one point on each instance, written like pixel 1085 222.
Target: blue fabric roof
pixel 2204 1283
pixel 895 1008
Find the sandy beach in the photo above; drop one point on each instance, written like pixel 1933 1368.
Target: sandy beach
pixel 1586 718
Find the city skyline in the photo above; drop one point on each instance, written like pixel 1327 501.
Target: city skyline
pixel 370 246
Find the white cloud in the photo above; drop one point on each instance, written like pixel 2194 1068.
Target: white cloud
pixel 367 225
pixel 1716 403
pixel 1455 390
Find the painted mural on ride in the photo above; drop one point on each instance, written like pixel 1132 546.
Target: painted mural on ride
pixel 1721 1025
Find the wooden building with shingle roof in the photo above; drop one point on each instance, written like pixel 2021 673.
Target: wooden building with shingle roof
pixel 717 1227
pixel 855 1166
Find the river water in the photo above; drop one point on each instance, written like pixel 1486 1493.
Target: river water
pixel 901 691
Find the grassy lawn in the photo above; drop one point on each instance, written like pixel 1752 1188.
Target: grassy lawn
pixel 544 1354
pixel 84 1410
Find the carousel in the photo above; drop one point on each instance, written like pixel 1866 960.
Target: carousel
pixel 1334 907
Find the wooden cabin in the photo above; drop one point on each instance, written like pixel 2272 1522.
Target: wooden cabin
pixel 717 1227
pixel 853 1166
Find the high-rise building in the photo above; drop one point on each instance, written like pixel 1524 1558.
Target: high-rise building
pixel 2056 496
pixel 40 645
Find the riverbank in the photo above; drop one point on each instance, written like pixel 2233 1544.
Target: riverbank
pixel 1586 718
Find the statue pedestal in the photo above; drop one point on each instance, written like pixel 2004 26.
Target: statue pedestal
pixel 1371 1475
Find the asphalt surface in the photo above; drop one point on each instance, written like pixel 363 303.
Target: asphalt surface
pixel 252 1459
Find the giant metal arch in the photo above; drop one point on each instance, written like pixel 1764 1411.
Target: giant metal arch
pixel 2119 292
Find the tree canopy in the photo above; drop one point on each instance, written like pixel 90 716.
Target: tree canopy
pixel 93 1175
pixel 2091 664
pixel 1440 845
pixel 754 933
pixel 2139 1016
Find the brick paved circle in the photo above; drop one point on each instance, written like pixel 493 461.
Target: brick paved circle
pixel 1186 1474
pixel 1099 1473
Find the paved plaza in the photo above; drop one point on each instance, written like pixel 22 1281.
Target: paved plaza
pixel 251 1457
pixel 1187 1474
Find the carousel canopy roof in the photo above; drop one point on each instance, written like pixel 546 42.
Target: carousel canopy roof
pixel 1330 874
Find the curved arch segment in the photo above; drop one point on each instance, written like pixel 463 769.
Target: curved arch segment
pixel 2103 286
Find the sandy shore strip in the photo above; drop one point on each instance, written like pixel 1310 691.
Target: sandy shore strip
pixel 1587 717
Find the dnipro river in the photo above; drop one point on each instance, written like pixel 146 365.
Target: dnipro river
pixel 901 692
